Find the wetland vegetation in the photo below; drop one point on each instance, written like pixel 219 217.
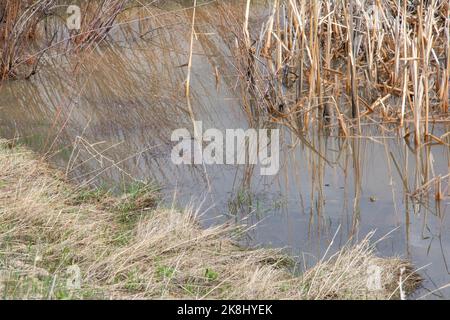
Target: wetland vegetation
pixel 357 89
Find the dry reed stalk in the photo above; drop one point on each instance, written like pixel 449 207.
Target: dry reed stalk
pixel 382 49
pixel 247 15
pixel 444 94
pixel 188 77
pixel 349 11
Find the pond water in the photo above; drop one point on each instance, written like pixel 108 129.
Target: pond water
pixel 107 117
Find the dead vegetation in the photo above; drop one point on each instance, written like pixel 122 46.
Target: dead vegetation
pixel 48 229
pixel 343 63
pixel 97 21
pixel 27 32
pixel 336 63
pixel 18 26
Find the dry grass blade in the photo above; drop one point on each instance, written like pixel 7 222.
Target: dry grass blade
pixel 130 248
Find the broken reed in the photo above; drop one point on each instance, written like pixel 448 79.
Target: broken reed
pixel 347 60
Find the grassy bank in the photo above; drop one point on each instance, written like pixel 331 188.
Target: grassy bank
pixel 129 247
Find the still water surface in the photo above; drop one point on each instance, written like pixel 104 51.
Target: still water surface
pixel 107 118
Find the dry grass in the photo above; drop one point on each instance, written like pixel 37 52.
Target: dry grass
pixel 24 24
pixel 18 25
pixel 128 247
pixel 97 21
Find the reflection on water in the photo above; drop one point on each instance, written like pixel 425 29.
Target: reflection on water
pixel 107 117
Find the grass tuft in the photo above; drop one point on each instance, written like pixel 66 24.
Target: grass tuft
pixel 52 247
